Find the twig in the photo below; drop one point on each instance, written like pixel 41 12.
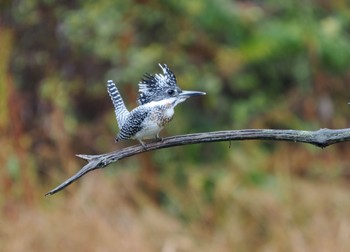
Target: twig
pixel 320 138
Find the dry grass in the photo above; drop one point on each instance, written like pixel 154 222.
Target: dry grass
pixel 106 214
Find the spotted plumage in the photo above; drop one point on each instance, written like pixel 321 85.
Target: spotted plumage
pixel 158 95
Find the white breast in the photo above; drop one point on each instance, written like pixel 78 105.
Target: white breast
pixel 150 131
pixel 161 113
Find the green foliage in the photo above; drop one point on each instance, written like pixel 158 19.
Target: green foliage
pixel 246 57
pixel 278 64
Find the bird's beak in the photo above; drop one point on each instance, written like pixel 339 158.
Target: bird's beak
pixel 187 94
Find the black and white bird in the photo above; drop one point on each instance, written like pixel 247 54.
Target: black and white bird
pixel 158 95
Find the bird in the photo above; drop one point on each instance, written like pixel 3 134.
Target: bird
pixel 158 96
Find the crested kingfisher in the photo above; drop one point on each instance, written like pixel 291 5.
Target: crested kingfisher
pixel 158 96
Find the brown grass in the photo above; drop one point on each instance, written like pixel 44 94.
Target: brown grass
pixel 105 214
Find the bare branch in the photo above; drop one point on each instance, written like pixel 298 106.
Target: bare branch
pixel 320 138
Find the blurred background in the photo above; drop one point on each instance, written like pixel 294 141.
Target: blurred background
pixel 263 64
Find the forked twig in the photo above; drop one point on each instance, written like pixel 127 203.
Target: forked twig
pixel 320 138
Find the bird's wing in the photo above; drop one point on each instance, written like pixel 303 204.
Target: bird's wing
pixel 133 123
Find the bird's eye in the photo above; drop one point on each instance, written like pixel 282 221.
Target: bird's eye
pixel 171 92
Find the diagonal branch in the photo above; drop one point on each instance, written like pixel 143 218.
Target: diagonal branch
pixel 321 138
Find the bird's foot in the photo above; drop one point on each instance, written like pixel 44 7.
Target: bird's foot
pixel 143 144
pixel 158 138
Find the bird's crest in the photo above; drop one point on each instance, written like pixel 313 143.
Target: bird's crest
pixel 152 87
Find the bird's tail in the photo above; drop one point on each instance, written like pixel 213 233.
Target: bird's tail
pixel 121 112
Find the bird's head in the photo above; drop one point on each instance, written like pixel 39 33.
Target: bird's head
pixel 162 86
